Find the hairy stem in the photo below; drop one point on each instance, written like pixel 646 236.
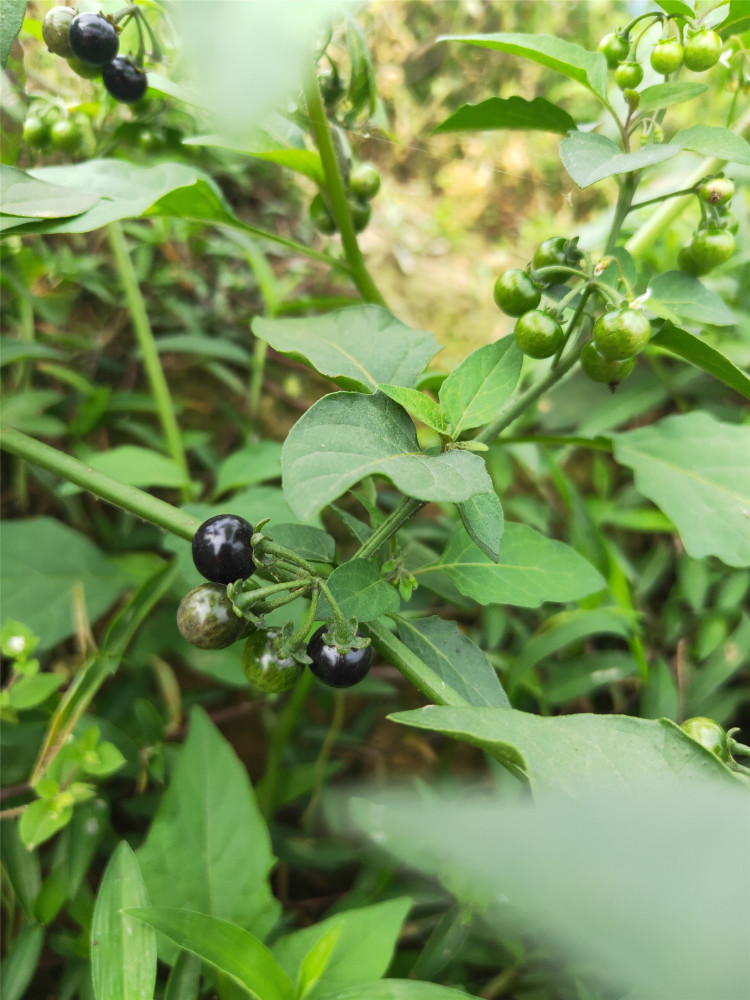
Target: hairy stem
pixel 398 517
pixel 149 352
pixel 337 191
pixel 133 500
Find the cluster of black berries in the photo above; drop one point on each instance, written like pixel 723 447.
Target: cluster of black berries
pixel 223 554
pixel 90 42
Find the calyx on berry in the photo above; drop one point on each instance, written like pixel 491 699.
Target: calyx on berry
pixel 93 38
pixel 335 668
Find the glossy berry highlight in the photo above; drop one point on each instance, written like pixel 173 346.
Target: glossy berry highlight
pixel 515 292
pixel 222 552
pixel 335 669
pixel 124 81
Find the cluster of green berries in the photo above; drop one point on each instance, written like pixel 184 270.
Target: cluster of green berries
pixel 363 185
pixel 90 42
pixel 713 242
pixel 700 52
pixel 50 128
pixel 519 292
pixel 619 336
pixel 206 618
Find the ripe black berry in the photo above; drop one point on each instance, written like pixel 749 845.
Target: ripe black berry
pixel 124 81
pixel 337 670
pixel 221 549
pixel 93 38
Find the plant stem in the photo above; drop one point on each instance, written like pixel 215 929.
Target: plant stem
pixel 283 729
pixel 247 598
pixel 337 191
pixel 662 219
pixel 624 201
pixel 133 500
pixel 319 771
pixel 411 666
pixel 342 628
pixel 662 197
pixel 149 352
pixel 267 547
pixel 398 516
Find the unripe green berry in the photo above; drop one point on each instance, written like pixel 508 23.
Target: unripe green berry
pixel 702 50
pixel 621 334
pixel 538 334
pixel 55 27
pixel 628 75
pixel 601 369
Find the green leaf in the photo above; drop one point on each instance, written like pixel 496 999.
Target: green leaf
pixel 133 466
pixel 25 412
pixel 484 520
pixel 255 463
pixel 397 989
pixel 360 591
pixel 123 949
pixel 363 950
pixel 347 436
pixel 208 848
pixel 213 348
pixel 41 820
pixel 11 18
pixel 21 867
pixel 234 952
pixel 454 658
pixel 664 95
pixel 532 569
pixel 677 296
pixel 589 157
pixel 43 565
pixel 575 754
pixel 588 68
pixel 421 406
pixel 737 21
pixel 358 347
pixel 17 641
pixel 24 195
pixel 537 115
pixel 694 468
pixel 698 353
pixel 475 390
pixel 12 350
pixel 677 7
pixel 32 691
pixel 310 543
pixel 713 140
pixel 21 961
pixel 277 141
pixel 362 92
pixel 126 190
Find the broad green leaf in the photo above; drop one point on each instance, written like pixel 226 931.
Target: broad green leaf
pixel 421 406
pixel 230 949
pixel 184 981
pixel 484 520
pixel 664 95
pixel 713 140
pixel 737 20
pixel 314 963
pixel 21 961
pixel 11 18
pixel 454 658
pixel 576 754
pixel 163 86
pixel 24 195
pixel 588 68
pixel 676 7
pixel 13 103
pixel 589 157
pixel 695 469
pixel 24 411
pixel 42 819
pixel 512 113
pixel 358 347
pixel 123 949
pixel 277 141
pixel 362 91
pixel 677 296
pixel 347 436
pixel 474 392
pixel 701 354
pixel 255 463
pixel 43 566
pixel 12 349
pixel 126 191
pixel 134 466
pixel 532 569
pixel 208 848
pixel 362 952
pixel 360 591
pixel 397 989
pixel 32 691
pixel 308 542
pixel 667 920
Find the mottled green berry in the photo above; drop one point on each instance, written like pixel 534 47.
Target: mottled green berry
pixel 206 618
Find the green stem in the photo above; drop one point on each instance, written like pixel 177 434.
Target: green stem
pixel 319 771
pixel 598 444
pixel 256 378
pixel 342 628
pixel 264 234
pixel 267 547
pixel 133 500
pixel 308 621
pixel 286 722
pixel 661 198
pixel 663 218
pixel 574 320
pixel 149 352
pixel 247 598
pixel 411 666
pixel 624 201
pixel 398 516
pixel 337 191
